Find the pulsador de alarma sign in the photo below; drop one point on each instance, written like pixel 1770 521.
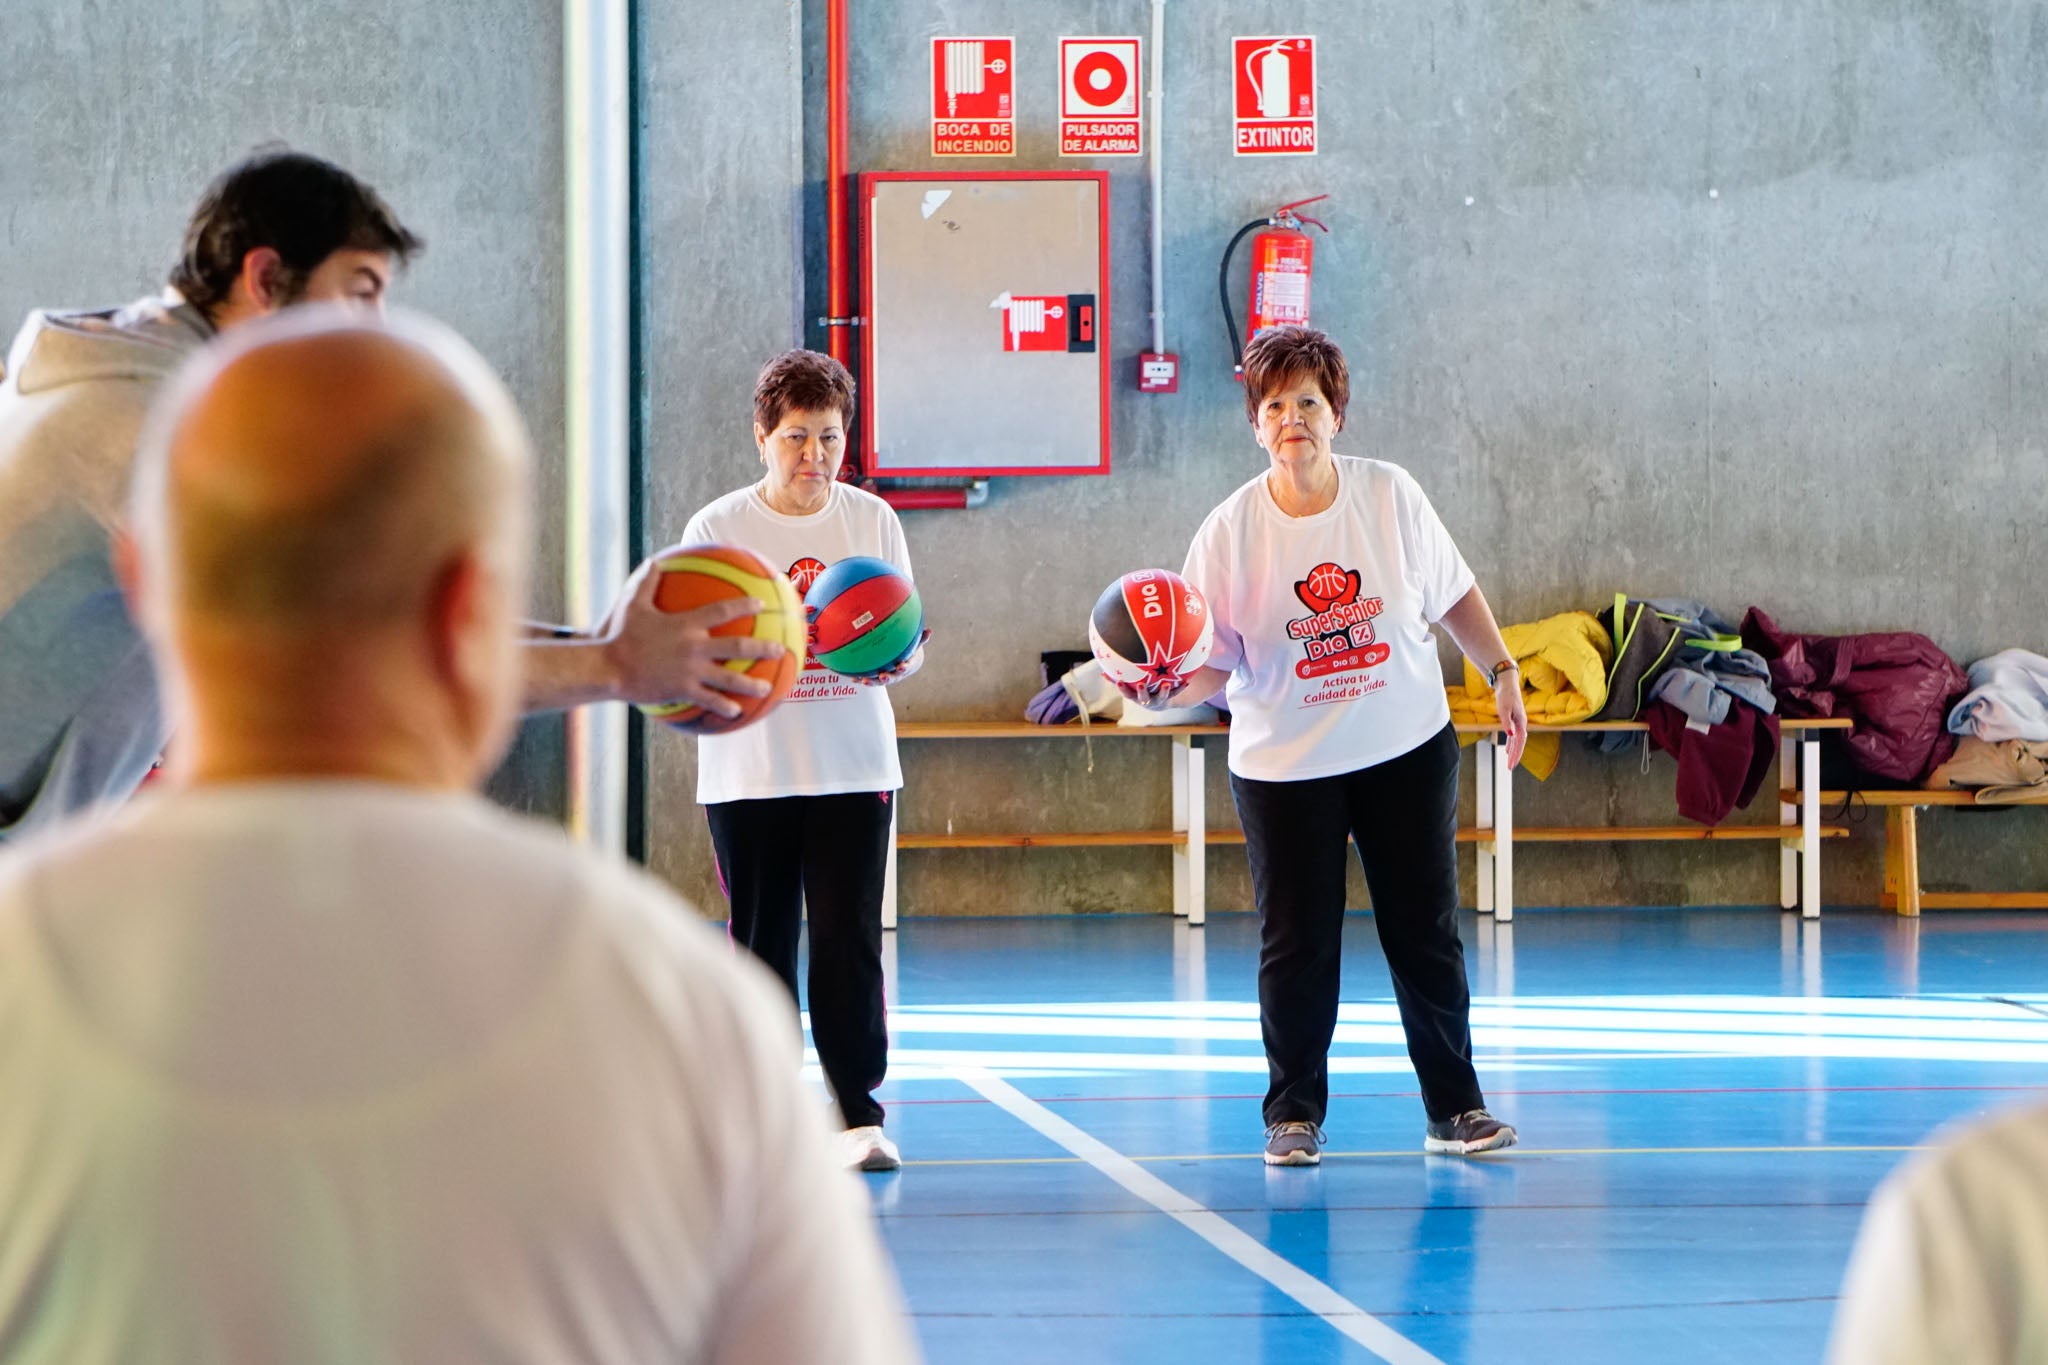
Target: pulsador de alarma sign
pixel 1099 97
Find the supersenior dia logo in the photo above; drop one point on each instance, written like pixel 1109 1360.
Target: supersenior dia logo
pixel 1337 635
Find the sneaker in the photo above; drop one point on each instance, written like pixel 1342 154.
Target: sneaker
pixel 1475 1130
pixel 1294 1143
pixel 868 1149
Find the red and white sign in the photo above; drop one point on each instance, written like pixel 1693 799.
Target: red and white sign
pixel 974 106
pixel 1033 322
pixel 1099 97
pixel 1276 96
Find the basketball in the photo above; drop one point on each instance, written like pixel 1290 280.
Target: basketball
pixel 865 617
pixel 1150 629
pixel 695 576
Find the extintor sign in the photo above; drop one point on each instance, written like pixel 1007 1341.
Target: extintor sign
pixel 974 107
pixel 1275 113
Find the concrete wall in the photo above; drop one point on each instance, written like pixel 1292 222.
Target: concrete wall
pixel 1706 298
pixel 1746 303
pixel 118 115
pixel 721 177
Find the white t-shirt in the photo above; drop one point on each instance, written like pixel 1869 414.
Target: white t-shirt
pixel 341 1071
pixel 1324 622
pixel 830 734
pixel 1951 1267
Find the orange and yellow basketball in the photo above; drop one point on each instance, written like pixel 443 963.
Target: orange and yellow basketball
pixel 695 576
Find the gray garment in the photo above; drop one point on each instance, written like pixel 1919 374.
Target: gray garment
pixel 2008 699
pixel 1701 681
pixel 80 718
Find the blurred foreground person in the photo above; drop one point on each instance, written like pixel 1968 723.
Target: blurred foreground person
pixel 316 1056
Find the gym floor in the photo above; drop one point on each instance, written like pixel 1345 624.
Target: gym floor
pixel 1706 1098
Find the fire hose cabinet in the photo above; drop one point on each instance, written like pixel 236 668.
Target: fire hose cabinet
pixel 985 299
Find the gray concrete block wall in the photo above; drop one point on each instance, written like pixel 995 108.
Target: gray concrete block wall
pixel 721 174
pixel 117 116
pixel 1745 305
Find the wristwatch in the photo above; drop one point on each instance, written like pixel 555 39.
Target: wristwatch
pixel 1493 674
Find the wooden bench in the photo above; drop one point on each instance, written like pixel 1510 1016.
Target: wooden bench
pixel 1798 832
pixel 1902 850
pixel 1187 838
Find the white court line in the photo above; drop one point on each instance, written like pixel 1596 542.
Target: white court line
pixel 1219 1232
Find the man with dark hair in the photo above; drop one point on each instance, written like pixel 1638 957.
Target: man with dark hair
pixel 80 718
pixel 285 226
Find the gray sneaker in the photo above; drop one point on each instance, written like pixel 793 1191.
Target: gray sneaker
pixel 1294 1143
pixel 1475 1130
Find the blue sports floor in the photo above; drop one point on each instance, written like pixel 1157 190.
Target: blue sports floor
pixel 1705 1097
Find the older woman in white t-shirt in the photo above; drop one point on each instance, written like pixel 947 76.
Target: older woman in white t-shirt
pixel 1324 575
pixel 799 802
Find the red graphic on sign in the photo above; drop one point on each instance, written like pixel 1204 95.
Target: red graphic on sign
pixel 1337 635
pixel 1099 97
pixel 1034 322
pixel 805 572
pixel 1276 96
pixel 974 81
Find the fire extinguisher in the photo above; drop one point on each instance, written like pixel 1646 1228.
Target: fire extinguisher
pixel 1283 260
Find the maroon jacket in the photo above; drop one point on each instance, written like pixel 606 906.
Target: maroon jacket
pixel 1897 687
pixel 1720 766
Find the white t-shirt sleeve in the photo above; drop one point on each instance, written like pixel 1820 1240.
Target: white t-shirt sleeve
pixel 1441 570
pixel 1208 569
pixel 897 549
pixel 812 1283
pixel 1915 1290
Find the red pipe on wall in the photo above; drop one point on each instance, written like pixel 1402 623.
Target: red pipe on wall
pixel 839 304
pixel 838 273
pixel 923 499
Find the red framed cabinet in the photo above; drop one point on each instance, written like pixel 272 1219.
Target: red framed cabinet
pixel 986 303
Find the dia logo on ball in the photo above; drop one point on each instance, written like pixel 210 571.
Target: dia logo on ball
pixel 1151 629
pixel 695 576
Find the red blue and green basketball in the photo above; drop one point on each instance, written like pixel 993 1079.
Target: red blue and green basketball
pixel 865 617
pixel 694 576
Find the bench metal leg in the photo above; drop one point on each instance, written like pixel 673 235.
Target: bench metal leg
pixel 889 869
pixel 1788 815
pixel 1907 831
pixel 1503 837
pixel 1482 816
pixel 1809 829
pixel 1190 860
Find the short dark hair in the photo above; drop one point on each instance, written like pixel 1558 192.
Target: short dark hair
pixel 1281 354
pixel 300 206
pixel 801 381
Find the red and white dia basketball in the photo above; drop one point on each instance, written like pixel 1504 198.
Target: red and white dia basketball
pixel 1150 629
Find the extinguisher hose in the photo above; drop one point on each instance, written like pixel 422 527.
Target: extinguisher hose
pixel 1223 291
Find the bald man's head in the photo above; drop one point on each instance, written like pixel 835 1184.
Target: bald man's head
pixel 310 491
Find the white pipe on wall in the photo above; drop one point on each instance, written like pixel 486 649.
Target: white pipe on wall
pixel 597 480
pixel 1158 178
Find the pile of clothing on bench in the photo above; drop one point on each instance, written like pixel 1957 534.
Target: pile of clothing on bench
pixel 1711 694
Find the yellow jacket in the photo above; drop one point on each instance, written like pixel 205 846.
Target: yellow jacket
pixel 1564 662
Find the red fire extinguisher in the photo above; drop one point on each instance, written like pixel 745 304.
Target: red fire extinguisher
pixel 1283 261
